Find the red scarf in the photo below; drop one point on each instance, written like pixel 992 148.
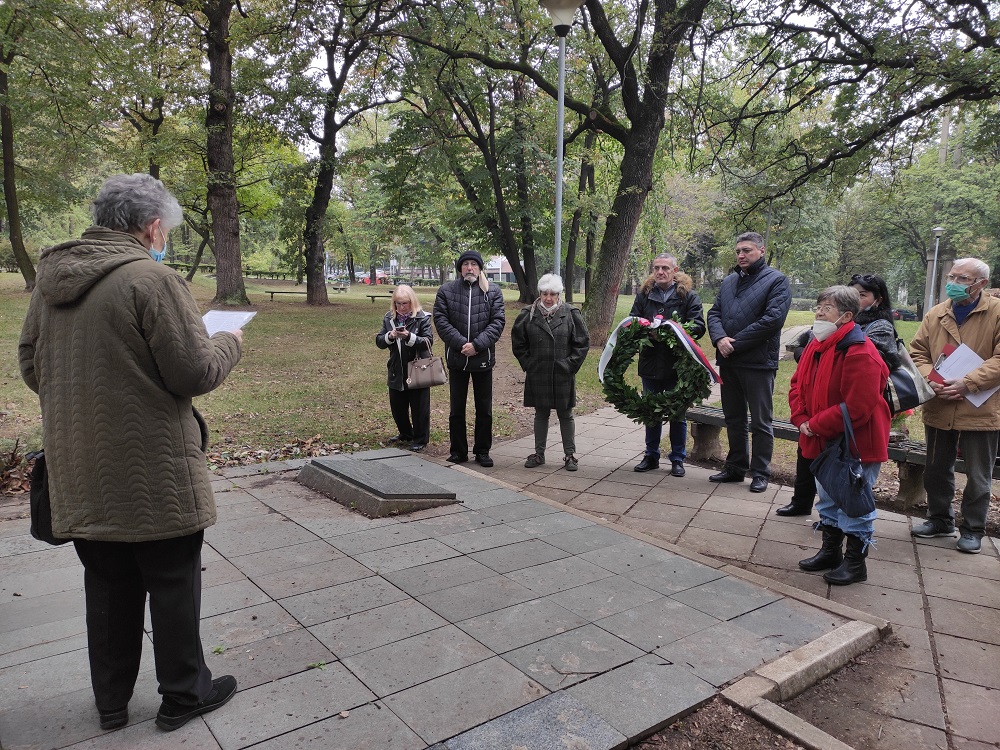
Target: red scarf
pixel 816 370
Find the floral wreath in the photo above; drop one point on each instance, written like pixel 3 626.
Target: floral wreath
pixel 653 408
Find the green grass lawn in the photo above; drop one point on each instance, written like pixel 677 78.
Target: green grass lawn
pixel 315 372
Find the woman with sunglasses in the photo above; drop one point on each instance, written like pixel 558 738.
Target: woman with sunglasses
pixel 875 320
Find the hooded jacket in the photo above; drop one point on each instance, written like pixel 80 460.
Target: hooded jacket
pixel 844 368
pixel 469 312
pixel 659 360
pixel 751 308
pixel 981 333
pixel 115 347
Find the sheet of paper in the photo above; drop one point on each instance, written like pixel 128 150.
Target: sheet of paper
pixel 225 320
pixel 960 363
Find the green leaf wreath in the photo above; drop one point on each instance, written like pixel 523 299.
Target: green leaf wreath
pixel 668 406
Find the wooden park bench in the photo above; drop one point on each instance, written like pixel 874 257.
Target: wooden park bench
pixel 273 292
pixel 339 287
pixel 374 297
pixel 910 455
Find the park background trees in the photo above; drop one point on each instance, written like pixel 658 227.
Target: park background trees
pixel 307 133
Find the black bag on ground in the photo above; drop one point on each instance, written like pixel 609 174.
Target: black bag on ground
pixel 841 474
pixel 41 511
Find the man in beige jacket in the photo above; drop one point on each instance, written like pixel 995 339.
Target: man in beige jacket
pixel 952 422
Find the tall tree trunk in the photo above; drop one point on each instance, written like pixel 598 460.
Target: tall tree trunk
pixel 10 183
pixel 197 257
pixel 222 203
pixel 636 182
pixel 521 178
pixel 586 179
pixel 646 107
pixel 312 235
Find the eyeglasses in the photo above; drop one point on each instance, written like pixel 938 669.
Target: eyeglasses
pixel 963 279
pixel 825 309
pixel 866 278
pixel 549 294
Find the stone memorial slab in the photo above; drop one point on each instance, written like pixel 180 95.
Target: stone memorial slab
pixel 372 486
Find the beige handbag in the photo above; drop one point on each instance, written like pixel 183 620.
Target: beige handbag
pixel 423 373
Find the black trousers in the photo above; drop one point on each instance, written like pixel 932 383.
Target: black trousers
pixel 747 389
pixel 411 411
pixel 482 395
pixel 117 577
pixel 804 494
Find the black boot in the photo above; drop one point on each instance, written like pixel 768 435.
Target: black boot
pixel 853 569
pixel 829 555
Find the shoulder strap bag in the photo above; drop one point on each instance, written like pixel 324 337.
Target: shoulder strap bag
pixel 426 372
pixel 906 387
pixel 840 472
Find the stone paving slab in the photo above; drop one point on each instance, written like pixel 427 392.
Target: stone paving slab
pixel 556 722
pixel 636 697
pixel 444 706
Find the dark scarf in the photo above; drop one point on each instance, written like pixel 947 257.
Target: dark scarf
pixel 404 319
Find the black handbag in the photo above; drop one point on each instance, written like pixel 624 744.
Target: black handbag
pixel 906 387
pixel 840 472
pixel 41 511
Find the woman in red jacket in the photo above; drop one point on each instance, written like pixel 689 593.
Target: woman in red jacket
pixel 841 364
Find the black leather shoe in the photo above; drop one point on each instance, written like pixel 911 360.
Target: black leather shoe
pixel 677 470
pixel 758 484
pixel 792 510
pixel 454 458
pixel 173 716
pixel 484 460
pixel 726 475
pixel 648 463
pixel 417 447
pixel 114 719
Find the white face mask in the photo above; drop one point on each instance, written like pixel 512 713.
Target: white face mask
pixel 824 329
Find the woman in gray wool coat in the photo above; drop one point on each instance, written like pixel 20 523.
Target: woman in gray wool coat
pixel 550 342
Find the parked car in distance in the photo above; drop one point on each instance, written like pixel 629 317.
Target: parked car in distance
pixel 901 313
pixel 365 278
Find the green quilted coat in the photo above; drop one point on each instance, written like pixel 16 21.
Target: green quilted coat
pixel 114 345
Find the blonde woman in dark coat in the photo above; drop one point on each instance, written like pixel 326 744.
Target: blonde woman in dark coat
pixel 406 333
pixel 550 342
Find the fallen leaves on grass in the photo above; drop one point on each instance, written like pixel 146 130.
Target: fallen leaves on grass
pixel 246 455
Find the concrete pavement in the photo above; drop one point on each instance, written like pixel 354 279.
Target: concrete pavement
pixel 547 608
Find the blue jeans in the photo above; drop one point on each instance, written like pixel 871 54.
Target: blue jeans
pixel 831 515
pixel 678 430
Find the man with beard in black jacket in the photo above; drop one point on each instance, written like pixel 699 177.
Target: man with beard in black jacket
pixel 469 317
pixel 745 326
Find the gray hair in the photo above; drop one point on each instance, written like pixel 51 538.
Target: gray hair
pixel 845 298
pixel 754 237
pixel 982 269
pixel 550 283
pixel 129 202
pixel 666 256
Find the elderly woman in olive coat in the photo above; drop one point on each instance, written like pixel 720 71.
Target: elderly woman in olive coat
pixel 550 342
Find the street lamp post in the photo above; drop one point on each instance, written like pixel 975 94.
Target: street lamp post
pixel 932 292
pixel 561 12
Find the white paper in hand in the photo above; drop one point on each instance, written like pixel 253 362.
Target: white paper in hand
pixel 225 320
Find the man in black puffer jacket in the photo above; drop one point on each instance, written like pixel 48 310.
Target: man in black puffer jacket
pixel 745 327
pixel 469 317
